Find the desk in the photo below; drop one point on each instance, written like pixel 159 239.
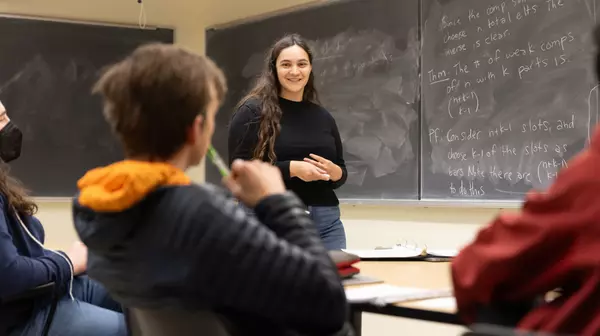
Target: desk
pixel 431 275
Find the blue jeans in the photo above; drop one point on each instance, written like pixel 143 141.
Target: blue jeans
pixel 92 313
pixel 328 223
pixel 330 227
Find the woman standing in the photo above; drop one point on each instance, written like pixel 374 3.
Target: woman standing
pixel 281 121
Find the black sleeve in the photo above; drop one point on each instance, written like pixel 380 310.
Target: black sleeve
pixel 276 268
pixel 284 167
pixel 243 137
pixel 243 133
pixel 339 158
pixel 19 273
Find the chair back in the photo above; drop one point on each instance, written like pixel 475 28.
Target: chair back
pixel 24 301
pixel 166 322
pixel 481 329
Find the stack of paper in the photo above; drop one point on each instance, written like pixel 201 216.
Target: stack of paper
pixel 448 253
pixel 385 253
pixel 385 294
pixel 402 252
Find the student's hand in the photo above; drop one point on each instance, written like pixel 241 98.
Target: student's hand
pixel 308 172
pixel 330 168
pixel 78 254
pixel 251 181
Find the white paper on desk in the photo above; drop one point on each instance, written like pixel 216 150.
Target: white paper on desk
pixel 384 294
pixel 396 252
pixel 445 303
pixel 442 253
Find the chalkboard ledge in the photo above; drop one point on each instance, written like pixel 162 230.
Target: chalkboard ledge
pixel 49 199
pixel 426 203
pixel 483 204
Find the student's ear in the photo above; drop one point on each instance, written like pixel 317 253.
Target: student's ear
pixel 195 132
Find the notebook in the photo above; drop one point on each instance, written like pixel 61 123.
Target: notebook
pixel 382 294
pixel 404 253
pixel 344 261
pixel 360 279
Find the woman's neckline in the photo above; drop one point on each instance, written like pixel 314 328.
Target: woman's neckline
pixel 285 100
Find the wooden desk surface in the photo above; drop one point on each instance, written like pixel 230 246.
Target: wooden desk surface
pixel 430 275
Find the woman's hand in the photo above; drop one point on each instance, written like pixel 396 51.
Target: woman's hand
pixel 333 170
pixel 307 172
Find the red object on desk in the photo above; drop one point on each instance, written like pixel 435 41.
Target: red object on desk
pixel 344 261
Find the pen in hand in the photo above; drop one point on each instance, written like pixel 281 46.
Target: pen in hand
pixel 223 169
pixel 217 161
pixel 215 158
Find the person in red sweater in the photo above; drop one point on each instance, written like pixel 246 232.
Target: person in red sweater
pixel 554 242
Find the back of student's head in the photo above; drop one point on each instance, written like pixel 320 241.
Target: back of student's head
pixel 153 96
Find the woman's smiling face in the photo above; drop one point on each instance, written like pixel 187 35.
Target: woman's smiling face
pixel 293 71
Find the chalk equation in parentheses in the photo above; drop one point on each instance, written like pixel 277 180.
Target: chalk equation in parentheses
pixel 539 174
pixel 547 165
pixel 462 99
pixel 450 109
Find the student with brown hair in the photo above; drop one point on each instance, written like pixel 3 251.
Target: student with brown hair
pixel 553 243
pixel 84 306
pixel 157 240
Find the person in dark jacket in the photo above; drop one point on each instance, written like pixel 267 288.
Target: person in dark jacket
pixel 84 306
pixel 157 240
pixel 553 243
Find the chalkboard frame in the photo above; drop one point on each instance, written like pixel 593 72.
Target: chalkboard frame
pixel 63 199
pixel 88 22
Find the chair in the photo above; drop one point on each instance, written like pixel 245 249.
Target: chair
pixel 481 329
pixel 500 319
pixel 506 314
pixel 163 322
pixel 43 291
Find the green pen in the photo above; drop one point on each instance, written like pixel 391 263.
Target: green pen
pixel 217 161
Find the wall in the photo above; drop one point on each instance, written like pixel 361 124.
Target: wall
pixel 367 226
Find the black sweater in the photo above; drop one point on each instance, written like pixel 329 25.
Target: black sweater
pixel 306 128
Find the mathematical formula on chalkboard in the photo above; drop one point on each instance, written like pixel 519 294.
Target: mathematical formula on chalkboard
pixel 506 94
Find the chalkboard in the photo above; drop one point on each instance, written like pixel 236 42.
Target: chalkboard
pixel 439 99
pixel 47 70
pixel 507 94
pixel 367 73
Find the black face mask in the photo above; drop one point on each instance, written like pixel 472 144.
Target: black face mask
pixel 11 139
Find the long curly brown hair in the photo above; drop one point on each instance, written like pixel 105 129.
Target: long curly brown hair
pixel 267 89
pixel 15 193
